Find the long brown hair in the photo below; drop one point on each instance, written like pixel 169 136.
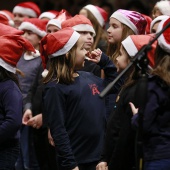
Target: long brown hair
pixel 162 65
pixel 113 49
pixel 61 68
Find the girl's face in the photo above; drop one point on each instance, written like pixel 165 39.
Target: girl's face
pixel 52 29
pixel 122 60
pixel 33 38
pixel 88 37
pixel 156 12
pixel 114 31
pixel 155 26
pixel 18 19
pixel 80 53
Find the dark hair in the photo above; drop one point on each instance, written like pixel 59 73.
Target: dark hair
pixel 6 75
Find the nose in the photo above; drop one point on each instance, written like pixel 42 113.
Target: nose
pixel 108 30
pixel 90 35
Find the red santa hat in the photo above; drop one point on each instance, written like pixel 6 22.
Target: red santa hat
pixel 164 7
pixel 132 19
pixel 99 13
pixel 12 48
pixel 6 17
pixel 8 30
pixel 164 38
pixel 36 25
pixel 79 23
pixel 54 22
pixel 148 20
pixel 58 43
pixel 134 43
pixel 27 8
pixel 63 15
pixel 51 14
pixel 158 19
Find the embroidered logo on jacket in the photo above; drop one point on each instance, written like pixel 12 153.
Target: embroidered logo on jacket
pixel 94 89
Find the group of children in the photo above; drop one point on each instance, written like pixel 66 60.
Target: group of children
pixel 53 67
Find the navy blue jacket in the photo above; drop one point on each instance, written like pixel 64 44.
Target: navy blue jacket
pixel 10 111
pixel 77 116
pixel 156 123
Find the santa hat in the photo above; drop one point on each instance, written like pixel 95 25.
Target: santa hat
pixel 158 19
pixel 99 13
pixel 132 19
pixel 8 30
pixel 63 15
pixel 51 14
pixel 164 7
pixel 12 48
pixel 58 43
pixel 54 22
pixel 148 20
pixel 36 25
pixel 27 8
pixel 164 38
pixel 79 23
pixel 134 43
pixel 6 17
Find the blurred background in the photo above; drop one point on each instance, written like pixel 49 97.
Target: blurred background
pixel 73 6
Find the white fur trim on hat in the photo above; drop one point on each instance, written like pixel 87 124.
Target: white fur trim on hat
pixel 32 55
pixel 96 14
pixel 161 40
pixel 44 73
pixel 84 27
pixel 10 22
pixel 129 46
pixel 47 15
pixel 164 7
pixel 157 19
pixel 24 11
pixel 29 26
pixel 7 66
pixel 55 22
pixel 73 39
pixel 120 17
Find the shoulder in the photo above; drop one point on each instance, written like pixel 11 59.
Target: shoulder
pixel 9 86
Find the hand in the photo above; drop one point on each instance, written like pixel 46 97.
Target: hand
pixel 27 116
pixel 95 55
pixel 102 166
pixel 76 168
pixel 133 108
pixel 50 139
pixel 36 121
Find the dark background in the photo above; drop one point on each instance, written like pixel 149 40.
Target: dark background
pixel 73 6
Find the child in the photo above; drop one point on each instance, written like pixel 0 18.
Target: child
pixel 53 25
pixel 122 24
pixel 156 121
pixel 12 47
pixel 25 10
pixel 71 99
pixel 98 18
pixel 34 30
pixel 118 151
pixel 84 27
pixel 161 8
